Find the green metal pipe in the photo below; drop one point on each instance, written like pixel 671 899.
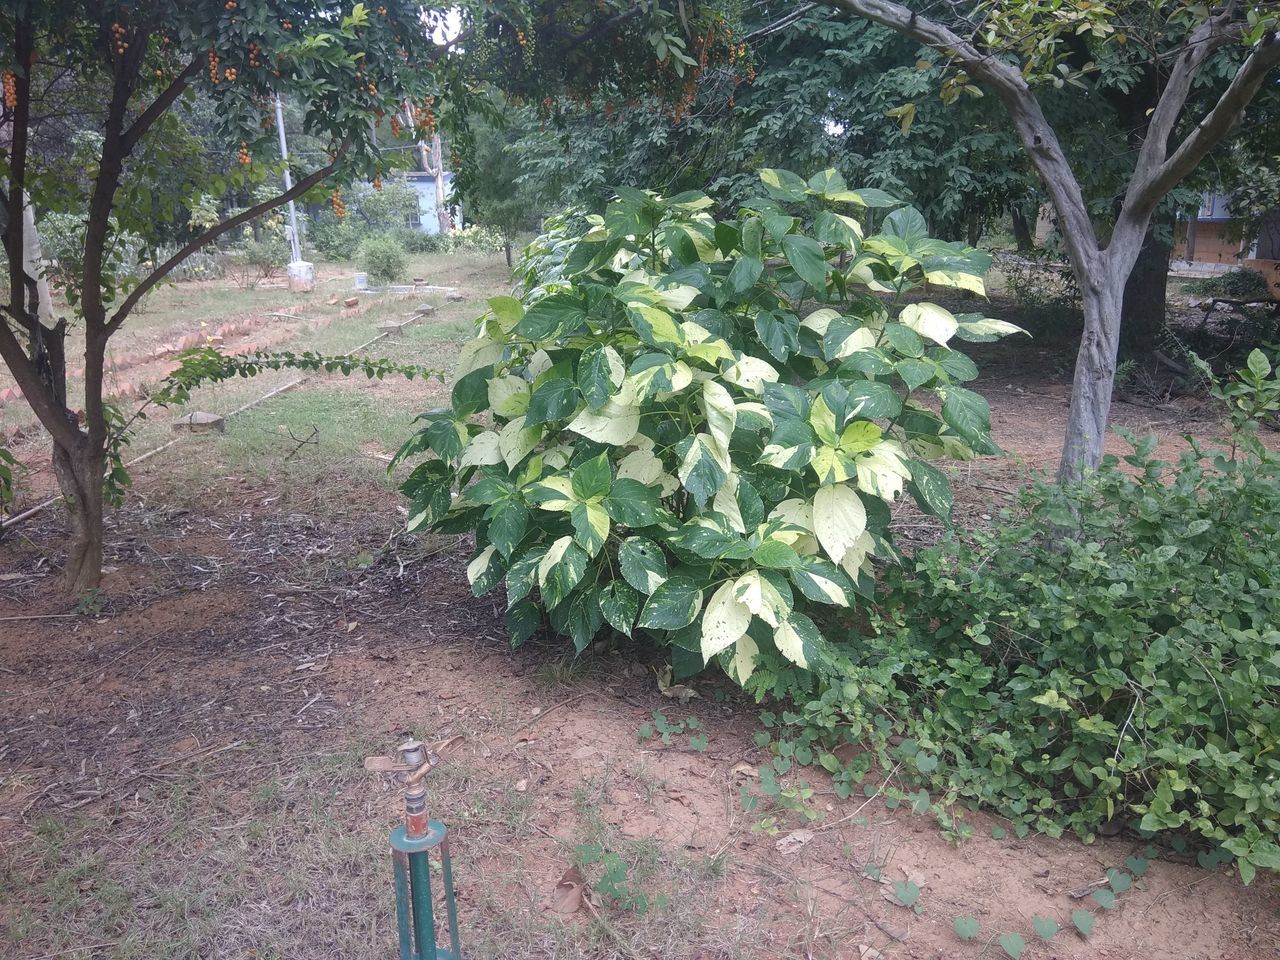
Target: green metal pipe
pixel 424 921
pixel 400 862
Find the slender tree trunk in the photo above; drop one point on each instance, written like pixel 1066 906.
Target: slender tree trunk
pixel 511 263
pixel 80 472
pixel 1094 375
pixel 1143 314
pixel 442 199
pixel 1021 230
pixel 33 262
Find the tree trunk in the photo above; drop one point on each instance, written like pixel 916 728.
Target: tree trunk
pixel 1101 294
pixel 33 263
pixel 511 263
pixel 442 200
pixel 1142 315
pixel 80 472
pixel 1021 230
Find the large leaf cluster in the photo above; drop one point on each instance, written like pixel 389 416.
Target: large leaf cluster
pixel 1107 653
pixel 695 428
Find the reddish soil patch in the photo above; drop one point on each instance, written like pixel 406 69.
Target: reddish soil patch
pixel 242 641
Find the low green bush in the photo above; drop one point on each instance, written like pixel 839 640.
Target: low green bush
pixel 335 239
pixel 1104 652
pixel 251 262
pixel 1242 284
pixel 384 259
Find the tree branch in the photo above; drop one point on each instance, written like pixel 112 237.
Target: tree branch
pixel 23 44
pixel 1038 137
pixel 1150 185
pixel 298 189
pixel 158 106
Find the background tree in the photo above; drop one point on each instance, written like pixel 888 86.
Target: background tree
pixel 1012 47
pixel 140 60
pixel 501 198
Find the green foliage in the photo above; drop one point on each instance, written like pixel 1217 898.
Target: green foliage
pixel 667 730
pixel 1237 284
pixel 694 429
pixel 384 260
pixel 253 261
pixel 336 239
pixel 614 882
pixel 1105 651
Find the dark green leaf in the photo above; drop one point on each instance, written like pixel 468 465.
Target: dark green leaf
pixel 744 274
pixel 594 377
pixel 807 258
pixel 873 400
pixel 592 478
pixel 620 604
pixel 564 576
pixel 779 333
pixel 643 564
pixel 632 504
pixel 555 399
pixel 552 317
pixel 908 225
pixel 674 604
pixel 931 489
pixel 775 554
pixel 522 621
pixel 967 413
pixel 508 520
pixel 471 392
pixel 915 373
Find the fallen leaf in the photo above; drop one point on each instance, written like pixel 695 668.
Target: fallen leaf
pixel 744 769
pixel 569 891
pixel 912 877
pixel 793 841
pixel 522 785
pixel 868 953
pixel 584 752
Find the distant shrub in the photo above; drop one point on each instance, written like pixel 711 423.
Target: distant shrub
pixel 336 239
pixel 1039 286
pixel 1240 284
pixel 207 264
pixel 256 260
pixel 384 259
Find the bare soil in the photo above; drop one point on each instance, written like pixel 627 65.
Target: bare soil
pixel 181 763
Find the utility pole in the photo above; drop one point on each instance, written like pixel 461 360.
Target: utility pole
pixel 294 241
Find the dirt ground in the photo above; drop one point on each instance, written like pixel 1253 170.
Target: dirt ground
pixel 181 763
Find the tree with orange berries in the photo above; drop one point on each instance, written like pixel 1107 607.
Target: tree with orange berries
pixel 144 60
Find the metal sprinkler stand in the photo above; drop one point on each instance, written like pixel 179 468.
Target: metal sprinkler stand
pixel 411 846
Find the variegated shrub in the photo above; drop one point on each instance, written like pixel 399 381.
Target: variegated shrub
pixel 695 428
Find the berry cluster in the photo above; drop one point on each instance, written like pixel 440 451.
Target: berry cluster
pixel 286 24
pixel 255 54
pixel 10 89
pixel 230 5
pixel 118 34
pixel 230 74
pixel 424 117
pixel 244 153
pixel 214 75
pixel 339 208
pixel 395 126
